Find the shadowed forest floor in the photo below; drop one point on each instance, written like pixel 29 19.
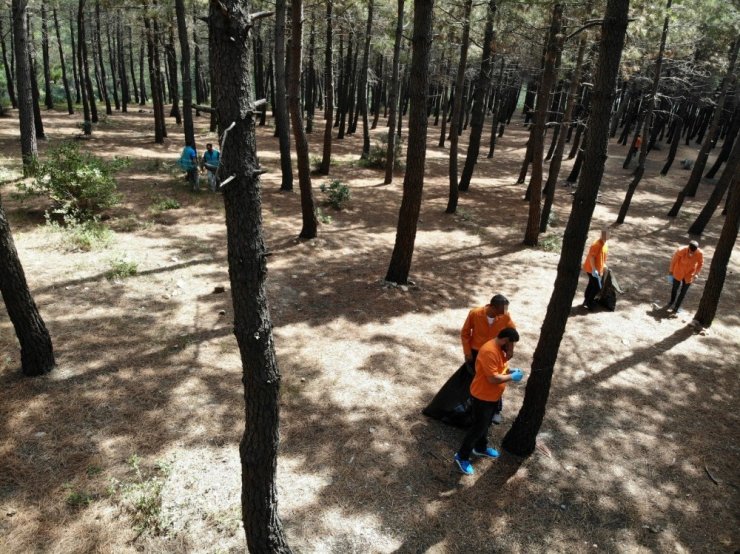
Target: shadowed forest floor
pixel 131 444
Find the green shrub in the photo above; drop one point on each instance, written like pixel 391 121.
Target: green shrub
pixel 326 219
pixel 163 204
pixel 120 269
pixel 77 235
pixel 337 194
pixel 79 184
pixel 379 150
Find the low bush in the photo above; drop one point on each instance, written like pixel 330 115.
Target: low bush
pixel 79 184
pixel 337 194
pixel 379 151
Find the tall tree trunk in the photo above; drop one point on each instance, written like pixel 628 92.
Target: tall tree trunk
pixel 37 121
pixel 103 84
pixel 674 143
pixel 200 95
pixel 37 353
pixel 172 65
pixel 457 104
pixel 718 270
pixel 498 107
pixel 247 273
pixel 362 92
pixel 329 86
pixel 29 146
pixel 308 211
pixel 142 82
pixel 155 80
pixel 187 86
pixel 121 53
pixel 390 154
pixel 87 99
pixel 640 171
pixel 9 77
pixel 557 157
pixel 75 57
pixel 732 133
pixel 413 181
pixel 310 81
pixel 282 123
pixel 732 170
pixel 112 57
pixel 555 44
pixel 134 85
pixel 701 160
pixel 84 63
pixel 521 438
pixel 48 95
pixel 65 81
pixel 482 84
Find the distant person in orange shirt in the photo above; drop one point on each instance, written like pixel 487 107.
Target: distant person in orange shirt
pixel 638 144
pixel 685 266
pixel 594 268
pixel 491 377
pixel 483 324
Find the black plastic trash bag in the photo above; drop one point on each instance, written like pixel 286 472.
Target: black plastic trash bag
pixel 452 404
pixel 607 296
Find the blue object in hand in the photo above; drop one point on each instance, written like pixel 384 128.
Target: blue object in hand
pixel 669 278
pixel 595 274
pixel 517 375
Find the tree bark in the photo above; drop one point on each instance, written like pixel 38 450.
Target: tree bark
pixel 640 171
pixel 187 83
pixel 308 211
pixel 29 145
pixel 121 55
pixel 390 154
pixel 482 84
pixel 457 104
pixel 103 84
pixel 521 438
pixel 65 80
pixel 701 160
pixel 413 182
pixel 731 171
pixel 557 157
pixel 229 20
pixel 282 123
pixel 555 44
pixel 362 85
pixel 718 270
pixel 37 353
pixel 48 95
pixel 329 94
pixel 9 77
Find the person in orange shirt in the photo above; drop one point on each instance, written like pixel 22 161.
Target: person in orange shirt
pixel 594 268
pixel 483 324
pixel 491 377
pixel 685 266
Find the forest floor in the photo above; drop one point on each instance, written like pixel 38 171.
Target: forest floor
pixel 131 443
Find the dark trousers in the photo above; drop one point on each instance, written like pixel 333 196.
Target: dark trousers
pixel 592 289
pixel 477 436
pixel 674 291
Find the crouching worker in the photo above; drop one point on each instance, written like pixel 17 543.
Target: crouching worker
pixel 189 162
pixel 491 377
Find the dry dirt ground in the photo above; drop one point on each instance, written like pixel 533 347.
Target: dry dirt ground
pixel 130 444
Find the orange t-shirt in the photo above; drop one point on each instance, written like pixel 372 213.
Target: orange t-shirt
pixel 685 267
pixel 477 331
pixel 599 250
pixel 491 361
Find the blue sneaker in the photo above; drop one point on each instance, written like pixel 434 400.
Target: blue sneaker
pixel 465 467
pixel 487 453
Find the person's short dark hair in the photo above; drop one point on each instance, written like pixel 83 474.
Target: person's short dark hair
pixel 499 300
pixel 693 245
pixel 509 333
pixel 209 145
